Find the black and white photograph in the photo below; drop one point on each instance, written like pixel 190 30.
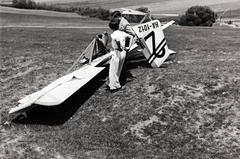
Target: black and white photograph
pixel 119 79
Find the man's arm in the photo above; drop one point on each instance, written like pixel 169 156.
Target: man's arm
pixel 126 27
pixel 129 30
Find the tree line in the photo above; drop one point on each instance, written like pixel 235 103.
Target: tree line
pixel 198 16
pixel 194 16
pixel 91 12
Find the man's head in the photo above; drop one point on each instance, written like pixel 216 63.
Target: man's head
pixel 114 24
pixel 116 14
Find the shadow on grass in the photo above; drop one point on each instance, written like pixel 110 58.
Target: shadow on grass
pixel 136 60
pixel 59 114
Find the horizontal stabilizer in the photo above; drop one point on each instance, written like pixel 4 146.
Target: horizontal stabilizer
pixel 171 51
pixel 167 24
pixel 132 12
pixel 135 12
pixel 167 15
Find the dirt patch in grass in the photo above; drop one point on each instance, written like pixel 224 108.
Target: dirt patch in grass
pixel 188 108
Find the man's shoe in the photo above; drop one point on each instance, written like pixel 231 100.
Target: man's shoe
pixel 114 90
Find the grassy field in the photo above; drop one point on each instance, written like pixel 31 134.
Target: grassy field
pixel 43 20
pixel 187 108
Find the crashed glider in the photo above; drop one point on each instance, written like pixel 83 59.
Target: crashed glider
pixel 153 45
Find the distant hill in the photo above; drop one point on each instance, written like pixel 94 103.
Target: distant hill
pixel 230 14
pixel 5 1
pixel 155 6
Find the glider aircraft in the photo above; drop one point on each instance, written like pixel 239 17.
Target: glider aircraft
pixel 151 40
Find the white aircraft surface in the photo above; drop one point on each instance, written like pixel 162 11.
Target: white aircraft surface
pixel 151 40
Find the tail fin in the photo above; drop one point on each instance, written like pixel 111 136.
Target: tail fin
pixel 153 41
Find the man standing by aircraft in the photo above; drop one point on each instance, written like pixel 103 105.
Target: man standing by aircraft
pixel 121 42
pixel 123 25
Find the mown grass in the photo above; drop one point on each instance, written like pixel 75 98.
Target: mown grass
pixel 188 108
pixel 44 20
